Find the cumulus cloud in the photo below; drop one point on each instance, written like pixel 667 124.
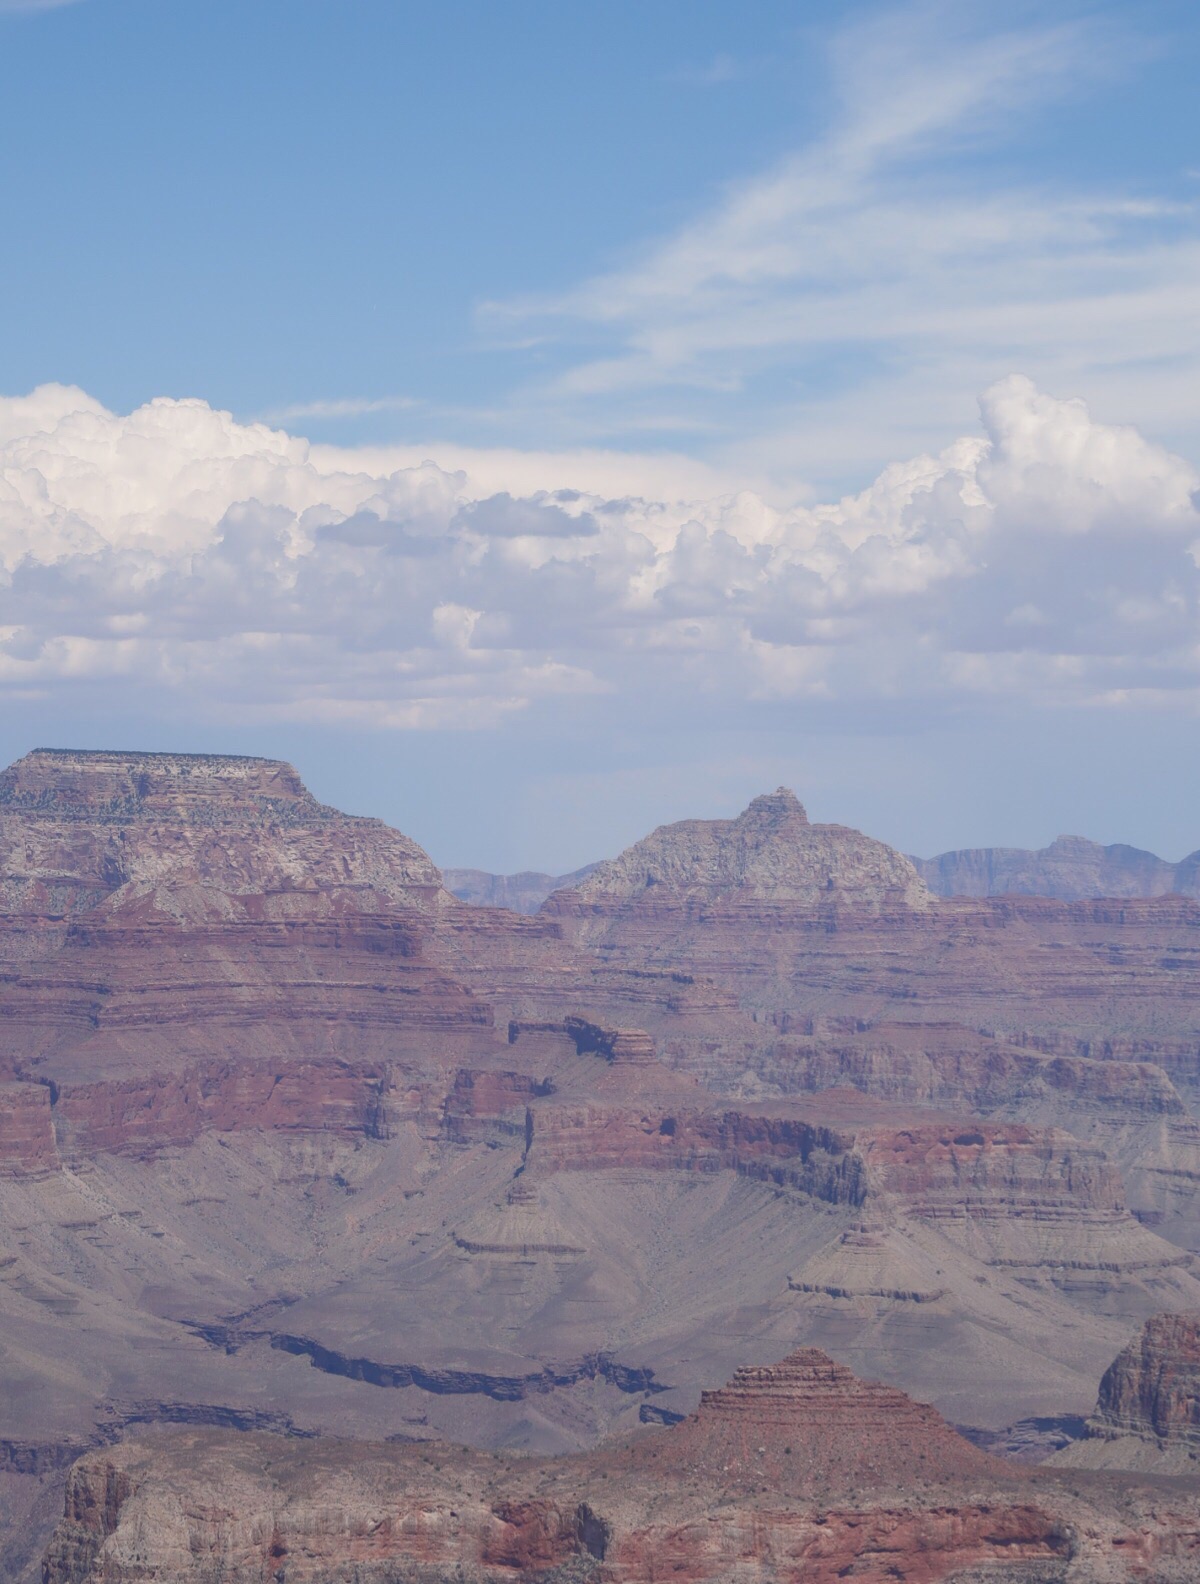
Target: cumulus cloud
pixel 174 554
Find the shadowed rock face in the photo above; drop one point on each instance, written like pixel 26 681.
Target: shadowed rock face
pixel 795 1471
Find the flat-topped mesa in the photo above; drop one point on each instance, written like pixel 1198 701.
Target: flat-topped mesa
pixel 808 1415
pixel 77 826
pixel 96 784
pixel 769 853
pixel 1152 1388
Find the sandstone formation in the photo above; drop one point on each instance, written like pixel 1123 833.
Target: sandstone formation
pixel 1153 1386
pixel 771 853
pixel 794 1472
pixel 1071 868
pixel 1148 1410
pixel 292 1138
pixel 243 825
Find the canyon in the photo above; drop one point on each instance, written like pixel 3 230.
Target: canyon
pixel 315 1176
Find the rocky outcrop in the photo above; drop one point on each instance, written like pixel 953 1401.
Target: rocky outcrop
pixel 1070 868
pixel 964 1170
pixel 1147 1414
pixel 810 1419
pixel 77 826
pixel 486 1104
pixel 791 1151
pixel 623 1047
pixel 1152 1388
pixel 520 1227
pixel 790 1472
pixel 938 1170
pixel 771 853
pixel 142 1116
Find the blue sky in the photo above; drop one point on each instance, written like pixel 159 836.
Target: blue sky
pixel 678 252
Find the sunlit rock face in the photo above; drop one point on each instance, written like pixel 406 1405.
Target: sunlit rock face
pixel 770 852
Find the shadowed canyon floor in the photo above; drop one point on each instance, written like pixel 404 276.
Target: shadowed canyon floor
pixel 293 1141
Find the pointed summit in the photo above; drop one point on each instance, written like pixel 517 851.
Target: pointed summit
pixel 769 853
pixel 781 807
pixel 810 1418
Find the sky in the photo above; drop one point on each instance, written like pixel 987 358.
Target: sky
pixel 543 421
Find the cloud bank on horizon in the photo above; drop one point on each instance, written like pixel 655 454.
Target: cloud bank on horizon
pixel 189 559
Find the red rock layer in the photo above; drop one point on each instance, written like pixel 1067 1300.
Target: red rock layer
pixel 939 1169
pixel 789 1475
pixel 810 1419
pixel 962 1169
pixel 27 1144
pixel 143 1115
pixel 1152 1388
pixel 803 1153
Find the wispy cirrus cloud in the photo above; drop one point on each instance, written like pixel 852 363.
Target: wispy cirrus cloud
pixel 339 407
pixel 885 271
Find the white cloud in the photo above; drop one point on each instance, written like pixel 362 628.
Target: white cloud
pixel 344 407
pixel 174 554
pixel 887 251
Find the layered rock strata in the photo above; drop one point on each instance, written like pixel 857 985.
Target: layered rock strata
pixel 1147 1412
pixel 769 852
pixel 287 1129
pixel 1152 1388
pixel 794 1472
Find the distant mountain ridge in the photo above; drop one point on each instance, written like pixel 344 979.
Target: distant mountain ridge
pixel 523 893
pixel 1071 869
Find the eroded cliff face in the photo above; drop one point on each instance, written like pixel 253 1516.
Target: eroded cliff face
pixel 77 826
pixel 1152 1388
pixel 1147 1414
pixel 291 1138
pixel 770 852
pixel 1008 1007
pixel 793 1472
